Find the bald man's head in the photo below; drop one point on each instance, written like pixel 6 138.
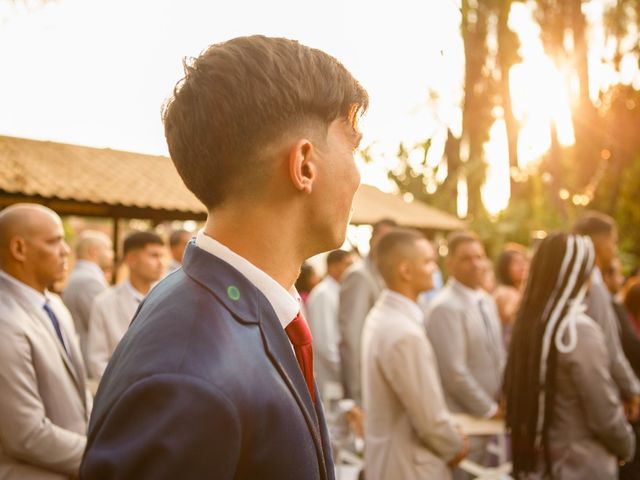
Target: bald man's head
pixel 96 247
pixel 32 246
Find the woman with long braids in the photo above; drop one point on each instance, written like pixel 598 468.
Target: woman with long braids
pixel 563 410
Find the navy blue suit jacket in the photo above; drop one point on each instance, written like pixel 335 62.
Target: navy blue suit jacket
pixel 205 385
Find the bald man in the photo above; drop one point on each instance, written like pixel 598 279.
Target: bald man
pixel 94 261
pixel 44 404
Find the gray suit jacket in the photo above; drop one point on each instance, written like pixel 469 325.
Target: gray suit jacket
pixel 600 309
pixel 588 431
pixel 409 432
pixel 359 291
pixel 44 404
pixel 84 285
pixel 470 357
pixel 111 316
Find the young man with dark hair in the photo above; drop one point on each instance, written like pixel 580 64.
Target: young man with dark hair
pixel 214 378
pixel 464 330
pixel 603 232
pixel 409 432
pixel 113 309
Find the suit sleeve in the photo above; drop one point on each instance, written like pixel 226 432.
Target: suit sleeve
pixel 25 431
pixel 165 426
pixel 448 339
pixel 601 311
pixel 98 349
pixel 355 303
pixel 86 295
pixel 589 371
pixel 411 371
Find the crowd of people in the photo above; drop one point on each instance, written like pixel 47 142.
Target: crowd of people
pixel 219 369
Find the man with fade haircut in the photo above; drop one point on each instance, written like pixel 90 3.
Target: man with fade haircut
pixel 603 231
pixel 214 378
pixel 360 289
pixel 464 329
pixel 44 402
pixel 322 315
pixel 114 309
pixel 409 432
pixel 94 258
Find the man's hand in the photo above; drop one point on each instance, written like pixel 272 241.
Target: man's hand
pixel 462 453
pixel 632 408
pixel 355 417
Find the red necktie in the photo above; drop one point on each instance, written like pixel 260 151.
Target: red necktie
pixel 300 336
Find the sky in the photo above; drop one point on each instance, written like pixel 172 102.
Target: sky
pixel 96 72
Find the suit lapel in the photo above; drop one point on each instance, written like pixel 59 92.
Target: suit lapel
pixel 249 305
pixel 41 317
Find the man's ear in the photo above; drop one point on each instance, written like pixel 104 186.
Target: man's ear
pixel 302 170
pixel 18 248
pixel 404 270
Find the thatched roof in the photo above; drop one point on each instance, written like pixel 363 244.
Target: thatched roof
pixel 78 180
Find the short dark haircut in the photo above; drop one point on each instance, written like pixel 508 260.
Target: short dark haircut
pixel 304 280
pixel 594 223
pixel 456 239
pixel 392 247
pixel 138 240
pixel 240 96
pixel 385 222
pixel 336 256
pixel 176 236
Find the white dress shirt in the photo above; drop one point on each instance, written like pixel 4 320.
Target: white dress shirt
pixel 322 315
pixel 285 303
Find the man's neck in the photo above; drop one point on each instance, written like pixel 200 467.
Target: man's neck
pixel 270 242
pixel 139 284
pixel 22 276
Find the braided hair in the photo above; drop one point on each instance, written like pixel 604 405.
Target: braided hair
pixel 557 284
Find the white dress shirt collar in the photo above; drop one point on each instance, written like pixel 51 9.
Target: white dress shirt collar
pixel 285 304
pixel 403 304
pixel 138 296
pixel 34 297
pixel 473 296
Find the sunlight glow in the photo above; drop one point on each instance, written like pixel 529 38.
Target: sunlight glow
pixel 496 190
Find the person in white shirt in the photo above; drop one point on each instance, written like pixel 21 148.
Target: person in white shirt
pixel 113 309
pixel 322 316
pixel 409 432
pixel 94 261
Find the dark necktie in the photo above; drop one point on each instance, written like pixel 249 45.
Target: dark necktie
pixel 300 336
pixel 487 322
pixel 56 324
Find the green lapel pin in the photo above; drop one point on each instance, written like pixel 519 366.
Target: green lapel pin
pixel 233 293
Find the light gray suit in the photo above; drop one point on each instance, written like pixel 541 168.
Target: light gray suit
pixel 409 432
pixel 85 283
pixel 588 431
pixel 600 309
pixel 44 404
pixel 111 316
pixel 470 355
pixel 359 291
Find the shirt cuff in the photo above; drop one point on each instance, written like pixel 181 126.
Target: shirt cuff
pixel 492 411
